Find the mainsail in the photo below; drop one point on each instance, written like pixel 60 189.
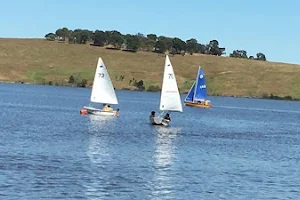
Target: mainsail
pixel 170 97
pixel 103 90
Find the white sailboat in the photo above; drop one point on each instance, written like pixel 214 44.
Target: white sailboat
pixel 102 92
pixel 170 98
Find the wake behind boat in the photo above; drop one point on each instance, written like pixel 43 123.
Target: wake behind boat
pixel 102 92
pixel 197 95
pixel 170 97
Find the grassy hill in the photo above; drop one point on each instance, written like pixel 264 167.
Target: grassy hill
pixel 41 61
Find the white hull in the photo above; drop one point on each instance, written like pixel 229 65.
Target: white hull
pixel 159 121
pixel 96 111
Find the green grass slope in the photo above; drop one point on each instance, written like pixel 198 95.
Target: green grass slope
pixel 41 61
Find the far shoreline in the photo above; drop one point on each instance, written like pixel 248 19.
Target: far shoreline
pixel 268 97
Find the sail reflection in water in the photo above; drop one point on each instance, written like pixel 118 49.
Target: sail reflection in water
pixel 99 156
pixel 164 156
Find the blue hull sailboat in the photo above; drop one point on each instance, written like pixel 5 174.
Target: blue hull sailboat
pixel 197 95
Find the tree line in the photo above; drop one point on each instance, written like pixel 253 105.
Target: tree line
pixel 150 42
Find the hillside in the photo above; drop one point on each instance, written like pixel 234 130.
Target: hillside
pixel 41 61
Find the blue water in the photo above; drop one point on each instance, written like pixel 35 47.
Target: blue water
pixel 239 149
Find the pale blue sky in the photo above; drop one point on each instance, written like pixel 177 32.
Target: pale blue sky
pixel 268 26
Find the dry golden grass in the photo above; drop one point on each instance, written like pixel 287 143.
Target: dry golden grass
pixel 36 60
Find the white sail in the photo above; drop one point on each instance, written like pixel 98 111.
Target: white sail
pixel 170 97
pixel 103 90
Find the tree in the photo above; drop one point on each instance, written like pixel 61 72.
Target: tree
pixel 90 35
pixel 191 46
pixel 62 33
pixel 99 38
pixel 50 36
pixel 239 54
pixel 173 51
pixel 201 48
pixel 261 56
pixel 168 41
pixel 132 42
pixel 179 45
pixel 79 36
pixel 143 41
pixel 115 38
pixel 152 37
pixel 151 41
pixel 139 84
pixel 251 58
pixel 71 79
pixel 213 48
pixel 160 47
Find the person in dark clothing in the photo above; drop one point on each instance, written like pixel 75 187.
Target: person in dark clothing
pixel 152 115
pixel 167 117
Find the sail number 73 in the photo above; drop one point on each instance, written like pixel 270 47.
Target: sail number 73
pixel 171 76
pixel 101 75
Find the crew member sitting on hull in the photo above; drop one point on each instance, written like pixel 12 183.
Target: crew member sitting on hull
pixel 105 107
pixel 167 117
pixel 117 112
pixel 206 103
pixel 109 108
pixel 152 115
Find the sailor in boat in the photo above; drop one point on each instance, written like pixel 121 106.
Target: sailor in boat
pixel 152 116
pixel 167 117
pixel 109 108
pixel 117 112
pixel 105 107
pixel 206 102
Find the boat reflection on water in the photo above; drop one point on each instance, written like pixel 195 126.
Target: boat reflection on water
pixel 164 157
pixel 98 154
pixel 98 131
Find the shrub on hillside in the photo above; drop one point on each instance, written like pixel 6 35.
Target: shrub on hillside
pixel 153 88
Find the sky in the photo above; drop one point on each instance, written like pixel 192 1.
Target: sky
pixel 267 26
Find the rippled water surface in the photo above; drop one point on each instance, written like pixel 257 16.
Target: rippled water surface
pixel 239 149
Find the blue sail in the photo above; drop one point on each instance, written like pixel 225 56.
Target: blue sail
pixel 200 88
pixel 190 95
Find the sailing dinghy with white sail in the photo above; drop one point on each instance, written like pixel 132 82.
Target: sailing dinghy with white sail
pixel 102 92
pixel 170 98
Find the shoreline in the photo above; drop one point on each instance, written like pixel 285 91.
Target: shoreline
pixel 265 96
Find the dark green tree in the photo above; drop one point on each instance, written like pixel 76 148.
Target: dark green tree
pixel 62 33
pixel 179 45
pixel 80 36
pixel 201 48
pixel 261 56
pixel 192 46
pixel 50 36
pixel 116 39
pixel 160 47
pixel 71 79
pixel 213 48
pixel 139 84
pixel 168 41
pixel 143 41
pixel 173 51
pixel 99 38
pixel 132 42
pixel 152 37
pixel 239 54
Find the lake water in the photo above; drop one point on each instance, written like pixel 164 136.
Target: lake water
pixel 239 149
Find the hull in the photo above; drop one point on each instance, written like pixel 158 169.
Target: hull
pixel 158 121
pixel 197 105
pixel 96 111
